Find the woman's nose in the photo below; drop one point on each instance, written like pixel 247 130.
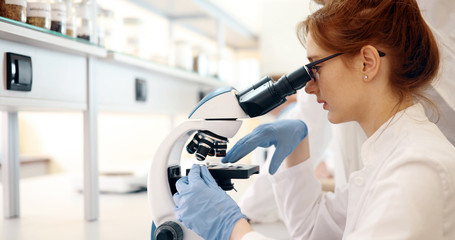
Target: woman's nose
pixel 311 87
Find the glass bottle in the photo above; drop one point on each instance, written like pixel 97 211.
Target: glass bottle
pixel 58 17
pixel 134 36
pixel 109 30
pixel 39 14
pixel 84 21
pixel 183 55
pixel 14 9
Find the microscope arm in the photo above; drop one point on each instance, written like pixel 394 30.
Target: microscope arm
pixel 159 192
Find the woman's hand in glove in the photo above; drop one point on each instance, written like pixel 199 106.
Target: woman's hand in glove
pixel 285 135
pixel 203 206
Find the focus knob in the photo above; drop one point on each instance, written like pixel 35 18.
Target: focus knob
pixel 169 231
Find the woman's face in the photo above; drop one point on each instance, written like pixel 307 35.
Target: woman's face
pixel 338 87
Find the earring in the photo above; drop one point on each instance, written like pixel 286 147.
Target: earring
pixel 366 76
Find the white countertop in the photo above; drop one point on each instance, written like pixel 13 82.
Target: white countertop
pixel 51 209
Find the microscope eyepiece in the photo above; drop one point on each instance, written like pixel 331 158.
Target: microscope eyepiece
pixel 268 94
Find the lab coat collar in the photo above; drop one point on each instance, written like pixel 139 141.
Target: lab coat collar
pixel 381 142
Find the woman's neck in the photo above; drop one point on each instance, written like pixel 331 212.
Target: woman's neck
pixel 382 112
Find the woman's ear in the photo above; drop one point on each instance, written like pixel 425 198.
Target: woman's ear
pixel 371 62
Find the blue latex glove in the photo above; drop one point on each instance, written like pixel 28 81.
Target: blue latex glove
pixel 203 206
pixel 285 135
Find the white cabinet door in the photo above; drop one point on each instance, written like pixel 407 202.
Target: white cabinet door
pixel 59 80
pixel 165 94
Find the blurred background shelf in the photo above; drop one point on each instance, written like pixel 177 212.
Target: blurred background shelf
pixel 179 74
pixel 205 18
pixel 19 32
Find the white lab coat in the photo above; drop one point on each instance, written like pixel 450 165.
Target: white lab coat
pixel 406 189
pixel 348 137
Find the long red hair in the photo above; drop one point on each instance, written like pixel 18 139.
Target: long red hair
pixel 395 27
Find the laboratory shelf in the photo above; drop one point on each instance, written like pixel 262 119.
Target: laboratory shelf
pixel 39 37
pixel 203 17
pixel 30 35
pixel 176 73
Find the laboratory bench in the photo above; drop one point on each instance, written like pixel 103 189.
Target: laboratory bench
pixel 53 209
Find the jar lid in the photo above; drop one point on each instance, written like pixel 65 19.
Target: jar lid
pixel 39 9
pixel 43 6
pixel 58 12
pixel 22 3
pixel 58 7
pixel 132 21
pixel 106 13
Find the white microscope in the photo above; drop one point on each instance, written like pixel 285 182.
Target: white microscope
pixel 215 119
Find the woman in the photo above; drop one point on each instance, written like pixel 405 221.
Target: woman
pixel 370 62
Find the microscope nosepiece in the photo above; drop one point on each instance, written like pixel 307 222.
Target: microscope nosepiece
pixel 207 143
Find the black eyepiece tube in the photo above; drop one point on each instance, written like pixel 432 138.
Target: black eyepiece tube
pixel 267 94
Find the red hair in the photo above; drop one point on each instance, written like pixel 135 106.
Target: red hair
pixel 395 27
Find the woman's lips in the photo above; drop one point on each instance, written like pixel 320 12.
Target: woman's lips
pixel 324 104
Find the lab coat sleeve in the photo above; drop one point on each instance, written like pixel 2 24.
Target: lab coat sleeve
pixel 310 111
pixel 254 236
pixel 258 202
pixel 307 212
pixel 407 203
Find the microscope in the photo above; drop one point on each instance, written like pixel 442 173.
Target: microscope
pixel 214 120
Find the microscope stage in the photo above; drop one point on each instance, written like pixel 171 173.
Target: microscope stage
pixel 237 171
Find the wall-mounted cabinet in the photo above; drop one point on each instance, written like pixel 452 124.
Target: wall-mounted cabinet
pixel 59 80
pixel 165 91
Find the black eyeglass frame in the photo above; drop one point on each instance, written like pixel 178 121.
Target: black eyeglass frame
pixel 312 65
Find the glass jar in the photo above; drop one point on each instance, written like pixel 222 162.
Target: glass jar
pixel 201 62
pixel 183 55
pixel 84 21
pixel 110 27
pixel 70 19
pixel 134 35
pixel 14 9
pixel 84 28
pixel 71 25
pixel 58 17
pixel 39 14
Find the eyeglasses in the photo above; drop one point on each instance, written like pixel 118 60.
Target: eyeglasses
pixel 313 69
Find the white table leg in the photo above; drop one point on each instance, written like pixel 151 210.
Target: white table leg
pixel 91 188
pixel 10 165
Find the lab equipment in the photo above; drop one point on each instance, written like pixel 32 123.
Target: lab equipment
pixel 206 143
pixel 196 192
pixel 223 174
pixel 285 135
pixel 218 117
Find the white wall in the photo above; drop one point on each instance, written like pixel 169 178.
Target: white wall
pixel 275 23
pixel 125 141
pixel 280 49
